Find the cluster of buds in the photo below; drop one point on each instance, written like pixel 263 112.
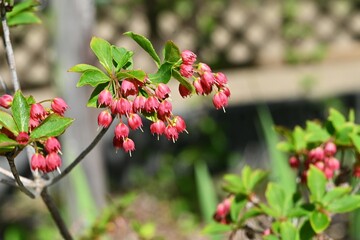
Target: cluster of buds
pixel 204 80
pixel 131 98
pixel 322 157
pixel 46 158
pixel 222 211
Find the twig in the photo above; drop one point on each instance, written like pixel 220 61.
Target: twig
pixel 55 214
pixel 16 175
pixel 81 156
pixel 8 47
pixel 24 180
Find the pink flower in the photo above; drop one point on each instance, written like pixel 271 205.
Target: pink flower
pixel 157 127
pixel 180 124
pixel 23 138
pixel 220 100
pixel 59 106
pixel 330 149
pixel 333 164
pixel 171 133
pixel 202 67
pixel 186 70
pixel 128 145
pixel 123 106
pixel 164 109
pixel 162 91
pixel 118 143
pixel 38 162
pixel 316 154
pixel 184 91
pixel 207 79
pixel 128 88
pixel 52 145
pixel 220 79
pixel 134 121
pixel 37 111
pixel 152 104
pixel 121 130
pixel 226 90
pixel 53 161
pixel 198 87
pixel 294 162
pixel 188 57
pixel 104 119
pixel 33 123
pixel 105 98
pixel 139 103
pixel 6 101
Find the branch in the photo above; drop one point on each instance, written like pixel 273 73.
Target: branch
pixel 8 47
pixel 81 156
pixel 24 180
pixel 49 202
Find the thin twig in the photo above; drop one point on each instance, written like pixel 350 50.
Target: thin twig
pixel 27 182
pixel 49 202
pixel 77 160
pixel 8 47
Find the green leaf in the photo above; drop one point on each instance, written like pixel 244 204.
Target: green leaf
pixel 171 52
pixel 163 75
pixel 288 231
pixel 102 50
pixel 23 18
pixel 351 115
pixel 7 121
pixel 336 118
pixel 319 221
pixel 306 231
pixel 82 67
pixel 245 178
pixel 334 194
pixel 92 78
pixel 345 204
pixel 182 80
pixel 355 140
pixel 297 212
pixel 5 141
pixel 92 102
pixel 270 237
pixel 316 182
pixel 145 44
pixel 121 56
pixel 30 100
pixel 285 147
pixel 21 111
pixel 132 74
pixel 299 139
pixel 237 206
pixel 250 213
pixel 269 211
pixel 276 198
pixel 233 184
pixel 53 126
pixel 255 178
pixel 216 228
pixel 342 136
pixel 22 6
pixel 315 133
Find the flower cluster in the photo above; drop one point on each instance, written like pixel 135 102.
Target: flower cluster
pixel 129 99
pixel 204 80
pixel 222 211
pixel 322 157
pixel 46 158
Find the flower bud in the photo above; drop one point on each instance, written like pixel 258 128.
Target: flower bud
pixel 157 127
pixel 38 162
pixel 59 106
pixel 188 57
pixel 186 70
pixel 220 100
pixel 121 130
pixel 171 133
pixel 104 119
pixel 330 149
pixel 152 104
pixel 22 138
pixel 128 145
pixel 162 91
pixel 184 91
pixel 6 101
pixel 139 103
pixel 134 121
pixel 37 111
pixel 128 88
pixel 105 98
pixel 53 161
pixel 52 145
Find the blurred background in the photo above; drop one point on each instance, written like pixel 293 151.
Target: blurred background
pixel 286 61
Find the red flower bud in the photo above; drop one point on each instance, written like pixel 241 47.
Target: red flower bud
pixel 134 121
pixel 121 130
pixel 37 111
pixel 53 161
pixel 22 138
pixel 139 103
pixel 186 70
pixel 171 133
pixel 52 145
pixel 162 91
pixel 38 162
pixel 184 91
pixel 188 57
pixel 128 88
pixel 330 149
pixel 104 119
pixel 157 127
pixel 128 145
pixel 152 104
pixel 105 98
pixel 6 101
pixel 220 100
pixel 59 106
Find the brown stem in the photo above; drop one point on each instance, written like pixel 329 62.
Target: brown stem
pixel 49 202
pixel 81 156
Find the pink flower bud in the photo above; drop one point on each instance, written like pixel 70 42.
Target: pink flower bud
pixel 38 162
pixel 171 133
pixel 22 138
pixel 6 101
pixel 139 103
pixel 186 70
pixel 52 145
pixel 207 80
pixel 220 100
pixel 37 111
pixel 53 161
pixel 198 87
pixel 320 165
pixel 121 130
pixel 162 91
pixel 294 162
pixel 33 123
pixel 330 149
pixel 226 90
pixel 128 88
pixel 333 164
pixel 152 104
pixel 316 154
pixel 123 106
pixel 188 57
pixel 202 67
pixel 59 106
pixel 104 119
pixel 118 143
pixel 134 121
pixel 105 98
pixel 180 124
pixel 164 109
pixel 157 127
pixel 184 91
pixel 128 145
pixel 328 173
pixel 220 79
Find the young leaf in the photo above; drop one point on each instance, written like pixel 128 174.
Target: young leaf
pixel 21 111
pixel 5 141
pixel 23 18
pixel 7 121
pixel 182 80
pixel 82 67
pixel 121 56
pixel 288 231
pixel 216 228
pixel 276 198
pixel 306 230
pixel 342 136
pixel 237 206
pixel 92 78
pixel 53 126
pixel 316 182
pixel 250 213
pixel 334 194
pixel 355 140
pixel 285 147
pixel 255 178
pixel 319 221
pixel 102 50
pixel 171 52
pixel 145 44
pixel 315 133
pixel 233 184
pixel 336 118
pixel 163 75
pixel 134 74
pixel 345 204
pixel 299 139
